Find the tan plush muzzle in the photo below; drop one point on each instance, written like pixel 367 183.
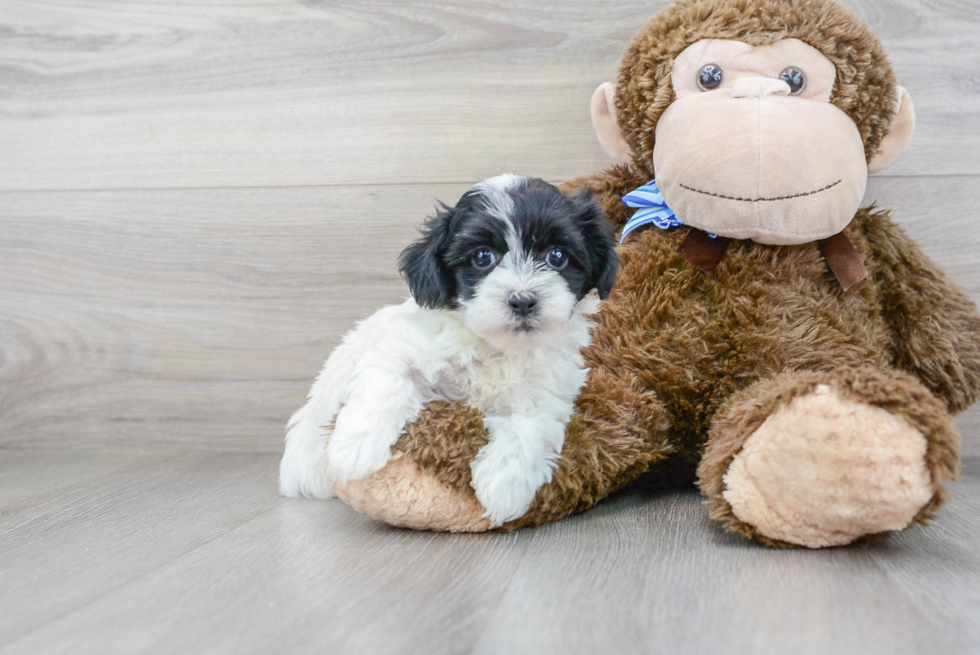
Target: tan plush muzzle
pixel 758 164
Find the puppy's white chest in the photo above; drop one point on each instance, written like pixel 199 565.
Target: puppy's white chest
pixel 499 380
pixel 522 382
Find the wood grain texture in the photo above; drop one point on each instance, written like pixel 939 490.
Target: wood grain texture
pixel 65 549
pixel 942 571
pixel 186 316
pixel 198 199
pixel 25 486
pixel 196 317
pixel 177 318
pixel 195 553
pixel 664 579
pixel 95 94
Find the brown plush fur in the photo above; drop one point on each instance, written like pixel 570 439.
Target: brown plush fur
pixel 674 344
pixel 685 363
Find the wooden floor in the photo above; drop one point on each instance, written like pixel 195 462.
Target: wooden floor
pixel 118 551
pixel 197 199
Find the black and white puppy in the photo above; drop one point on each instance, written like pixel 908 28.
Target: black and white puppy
pixel 501 285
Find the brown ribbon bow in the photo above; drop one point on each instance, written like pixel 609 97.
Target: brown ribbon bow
pixel 842 257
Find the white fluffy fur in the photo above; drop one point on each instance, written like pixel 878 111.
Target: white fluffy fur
pixel 386 370
pixel 392 364
pixel 378 380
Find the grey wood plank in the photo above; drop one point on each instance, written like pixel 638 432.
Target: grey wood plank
pixel 198 318
pixel 665 580
pixel 27 475
pixel 305 577
pixel 940 570
pixel 35 484
pixel 203 320
pixel 63 555
pixel 96 95
pixel 640 573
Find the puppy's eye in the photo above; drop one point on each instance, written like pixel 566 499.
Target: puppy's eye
pixel 795 78
pixel 556 259
pixel 484 259
pixel 710 77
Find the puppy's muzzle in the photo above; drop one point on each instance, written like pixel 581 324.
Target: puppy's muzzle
pixel 522 304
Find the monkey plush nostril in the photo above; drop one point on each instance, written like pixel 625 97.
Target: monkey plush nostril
pixel 522 304
pixel 759 87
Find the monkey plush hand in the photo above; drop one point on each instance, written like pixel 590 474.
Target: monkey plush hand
pixel 795 354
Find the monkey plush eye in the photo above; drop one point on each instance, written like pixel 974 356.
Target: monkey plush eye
pixel 556 259
pixel 484 259
pixel 710 77
pixel 795 78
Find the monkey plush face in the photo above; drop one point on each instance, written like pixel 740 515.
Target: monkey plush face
pixel 758 135
pixel 751 147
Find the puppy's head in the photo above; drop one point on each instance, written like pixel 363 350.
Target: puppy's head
pixel 515 255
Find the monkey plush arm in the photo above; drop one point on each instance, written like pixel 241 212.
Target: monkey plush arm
pixel 617 431
pixel 935 326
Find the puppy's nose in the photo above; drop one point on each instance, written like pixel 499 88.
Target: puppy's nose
pixel 759 87
pixel 522 304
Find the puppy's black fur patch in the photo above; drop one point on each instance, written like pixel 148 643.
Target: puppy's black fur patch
pixel 439 267
pixel 423 263
pixel 545 218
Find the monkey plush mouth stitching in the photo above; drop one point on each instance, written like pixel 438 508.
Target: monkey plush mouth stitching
pixel 798 195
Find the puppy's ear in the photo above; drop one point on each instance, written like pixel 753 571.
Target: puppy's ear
pixel 599 239
pixel 430 280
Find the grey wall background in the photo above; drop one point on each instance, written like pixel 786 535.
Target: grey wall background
pixel 196 200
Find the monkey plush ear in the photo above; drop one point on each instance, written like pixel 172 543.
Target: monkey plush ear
pixel 899 134
pixel 604 122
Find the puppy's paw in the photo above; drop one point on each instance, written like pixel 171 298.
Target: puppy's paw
pixel 301 471
pixel 506 485
pixel 360 445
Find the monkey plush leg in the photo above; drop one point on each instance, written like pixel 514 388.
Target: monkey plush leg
pixel 617 431
pixel 824 459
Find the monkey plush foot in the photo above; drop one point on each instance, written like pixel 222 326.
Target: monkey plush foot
pixel 426 485
pixel 823 471
pixel 836 458
pixel 404 495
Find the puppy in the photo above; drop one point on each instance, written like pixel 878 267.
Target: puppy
pixel 501 296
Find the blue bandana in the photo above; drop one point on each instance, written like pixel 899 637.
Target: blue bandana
pixel 651 208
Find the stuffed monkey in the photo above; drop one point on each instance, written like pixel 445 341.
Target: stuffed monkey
pixel 794 354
